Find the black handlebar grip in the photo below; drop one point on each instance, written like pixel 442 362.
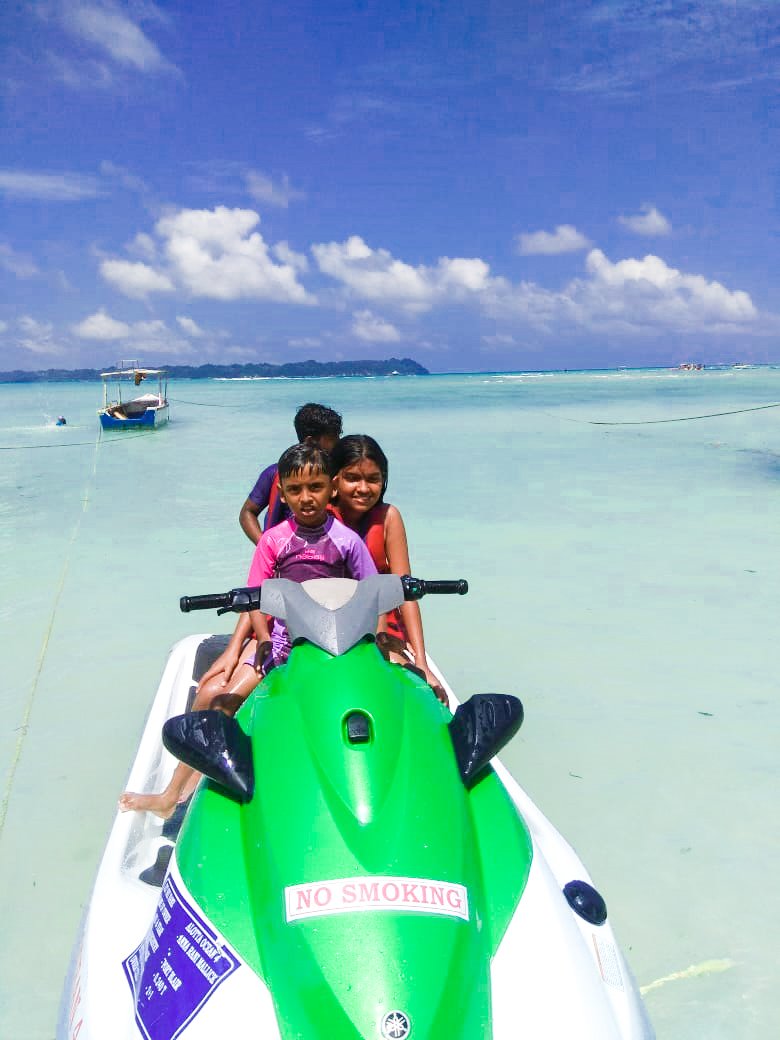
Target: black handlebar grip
pixel 209 602
pixel 446 588
pixel 416 588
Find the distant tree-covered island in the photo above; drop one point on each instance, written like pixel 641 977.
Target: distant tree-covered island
pixel 290 370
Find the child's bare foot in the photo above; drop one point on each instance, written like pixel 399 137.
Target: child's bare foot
pixel 162 805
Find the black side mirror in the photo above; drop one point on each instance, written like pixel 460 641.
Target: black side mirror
pixel 480 728
pixel 214 744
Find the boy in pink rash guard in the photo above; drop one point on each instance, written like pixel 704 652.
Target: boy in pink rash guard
pixel 312 544
pixel 292 550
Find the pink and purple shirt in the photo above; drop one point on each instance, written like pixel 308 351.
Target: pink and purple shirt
pixel 299 553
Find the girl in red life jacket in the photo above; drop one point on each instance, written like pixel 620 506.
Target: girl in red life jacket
pixel 361 469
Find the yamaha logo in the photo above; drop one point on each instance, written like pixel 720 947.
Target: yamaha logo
pixel 396 1025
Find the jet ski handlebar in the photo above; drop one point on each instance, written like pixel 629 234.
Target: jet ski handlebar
pixel 238 600
pixel 245 599
pixel 416 588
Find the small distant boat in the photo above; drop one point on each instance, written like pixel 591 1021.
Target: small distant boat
pixel 120 410
pixel 691 366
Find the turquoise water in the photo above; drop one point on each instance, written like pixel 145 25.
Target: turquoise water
pixel 625 582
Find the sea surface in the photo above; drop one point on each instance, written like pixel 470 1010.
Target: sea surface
pixel 621 536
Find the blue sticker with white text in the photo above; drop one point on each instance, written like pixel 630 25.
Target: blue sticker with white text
pixel 176 968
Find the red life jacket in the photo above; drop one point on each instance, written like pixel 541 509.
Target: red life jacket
pixel 372 531
pixel 275 512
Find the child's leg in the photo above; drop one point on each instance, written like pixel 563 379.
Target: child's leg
pixel 185 778
pixel 163 803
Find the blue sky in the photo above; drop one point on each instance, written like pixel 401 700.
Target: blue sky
pixel 481 185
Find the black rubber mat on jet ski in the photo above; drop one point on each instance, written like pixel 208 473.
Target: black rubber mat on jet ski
pixel 207 653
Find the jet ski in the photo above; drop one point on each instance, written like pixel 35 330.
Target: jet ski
pixel 355 865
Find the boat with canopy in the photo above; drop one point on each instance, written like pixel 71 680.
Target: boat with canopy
pixel 122 409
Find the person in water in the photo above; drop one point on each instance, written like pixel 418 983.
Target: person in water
pixel 315 424
pixel 313 544
pixel 361 472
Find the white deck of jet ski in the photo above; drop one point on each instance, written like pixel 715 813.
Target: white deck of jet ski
pixel 564 945
pixel 122 906
pixel 97 1003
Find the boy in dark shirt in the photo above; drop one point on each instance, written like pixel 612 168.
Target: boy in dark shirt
pixel 314 424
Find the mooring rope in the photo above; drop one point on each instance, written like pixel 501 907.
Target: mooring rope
pixel 653 422
pixel 123 439
pixel 28 707
pixel 204 404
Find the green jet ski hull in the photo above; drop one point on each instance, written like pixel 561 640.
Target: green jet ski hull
pixel 427 873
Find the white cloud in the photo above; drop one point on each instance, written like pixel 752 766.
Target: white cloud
pixel 155 339
pixel 101 326
pixel 565 239
pixel 134 278
pixel 216 253
pixel 49 187
pixel 366 108
pixel 462 274
pixel 81 74
pixel 304 341
pixel 35 327
pixel 220 254
pixel 152 328
pixel 650 290
pixel 374 274
pixel 37 336
pixel 630 296
pixel 283 252
pixel 499 339
pixel 17 263
pixel 109 29
pixel 263 189
pixel 210 253
pixel 143 245
pixel 151 336
pixel 3 326
pixel 648 222
pixel 128 180
pixel 621 46
pixel 373 329
pixel 190 327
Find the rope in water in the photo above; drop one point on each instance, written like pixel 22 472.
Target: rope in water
pixel 204 404
pixel 565 418
pixel 69 444
pixel 682 418
pixel 28 707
